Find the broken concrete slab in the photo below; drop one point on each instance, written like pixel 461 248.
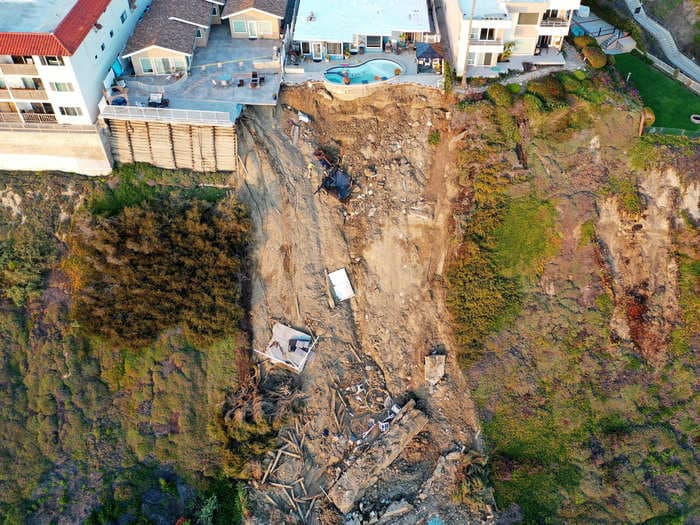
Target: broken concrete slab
pixel 394 510
pixel 434 368
pixel 364 473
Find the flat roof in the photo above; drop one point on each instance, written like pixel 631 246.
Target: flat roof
pixel 321 20
pixel 485 8
pixel 33 16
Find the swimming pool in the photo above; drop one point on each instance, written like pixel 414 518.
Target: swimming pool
pixel 375 70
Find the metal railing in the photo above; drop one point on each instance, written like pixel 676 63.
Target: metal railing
pixel 672 131
pixel 554 22
pixel 39 117
pixel 185 116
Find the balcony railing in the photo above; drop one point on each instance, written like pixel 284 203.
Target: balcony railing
pixel 18 69
pixel 29 94
pixel 554 22
pixel 4 93
pixel 477 42
pixel 39 117
pixel 6 116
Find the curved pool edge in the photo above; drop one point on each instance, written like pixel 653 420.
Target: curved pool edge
pixel 353 91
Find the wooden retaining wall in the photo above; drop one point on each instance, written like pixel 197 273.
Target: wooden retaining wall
pixel 175 146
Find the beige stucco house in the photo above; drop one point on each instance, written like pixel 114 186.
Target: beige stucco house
pixel 255 18
pixel 165 39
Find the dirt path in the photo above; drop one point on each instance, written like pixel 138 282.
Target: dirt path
pixel 393 239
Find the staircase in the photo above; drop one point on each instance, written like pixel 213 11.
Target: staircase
pixel 668 45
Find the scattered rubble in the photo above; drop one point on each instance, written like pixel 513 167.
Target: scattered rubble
pixel 381 453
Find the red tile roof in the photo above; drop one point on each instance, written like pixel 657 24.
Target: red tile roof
pixel 65 39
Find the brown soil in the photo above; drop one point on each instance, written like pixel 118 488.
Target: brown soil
pixel 393 238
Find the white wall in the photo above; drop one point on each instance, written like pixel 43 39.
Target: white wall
pixel 88 71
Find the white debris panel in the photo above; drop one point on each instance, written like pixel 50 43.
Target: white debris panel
pixel 340 285
pixel 289 347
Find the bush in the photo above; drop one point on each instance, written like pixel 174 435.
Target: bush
pixel 508 128
pixel 584 41
pixel 514 88
pixel 169 262
pixel 434 137
pixel 595 56
pixel 447 78
pixel 649 117
pixel 549 89
pixel 533 105
pixel 579 74
pixel 499 95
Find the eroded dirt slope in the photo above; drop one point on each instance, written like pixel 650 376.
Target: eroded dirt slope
pixel 393 239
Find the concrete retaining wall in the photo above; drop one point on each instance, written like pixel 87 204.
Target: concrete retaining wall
pixel 81 151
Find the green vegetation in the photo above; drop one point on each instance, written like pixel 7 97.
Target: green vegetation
pixel 447 78
pixel 500 95
pixel 434 137
pixel 83 419
pixel 514 88
pixel 168 261
pixel 671 102
pixel 578 427
pixel 625 190
pixel 587 232
pixel 25 259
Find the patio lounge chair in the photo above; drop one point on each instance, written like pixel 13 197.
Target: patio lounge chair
pixel 214 83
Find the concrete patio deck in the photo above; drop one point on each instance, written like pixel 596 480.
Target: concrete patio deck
pixel 224 58
pixel 548 57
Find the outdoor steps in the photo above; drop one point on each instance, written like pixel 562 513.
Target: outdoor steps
pixel 666 41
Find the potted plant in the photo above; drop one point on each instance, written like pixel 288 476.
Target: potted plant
pixel 397 71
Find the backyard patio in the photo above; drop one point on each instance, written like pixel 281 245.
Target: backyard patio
pixel 224 75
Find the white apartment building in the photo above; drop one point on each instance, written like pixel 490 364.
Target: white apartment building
pixel 57 55
pixel 529 27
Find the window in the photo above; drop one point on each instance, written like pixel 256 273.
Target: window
pixel 61 86
pixel 146 65
pixel 528 19
pixel 374 41
pixel 111 33
pixel 70 111
pixel 265 28
pixel 239 26
pixel 52 61
pixel 334 48
pixel 123 16
pixel 487 34
pixel 305 49
pixel 22 60
pixel 42 107
pixel 550 13
pixel 214 10
pixel 102 46
pixel 472 59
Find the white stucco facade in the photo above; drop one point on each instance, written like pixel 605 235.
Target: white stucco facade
pixel 66 90
pixel 527 27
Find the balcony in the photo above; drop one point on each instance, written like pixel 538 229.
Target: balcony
pixel 4 93
pixel 6 116
pixel 29 94
pixel 19 69
pixel 554 22
pixel 39 117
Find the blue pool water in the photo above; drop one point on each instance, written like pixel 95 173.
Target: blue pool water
pixel 374 70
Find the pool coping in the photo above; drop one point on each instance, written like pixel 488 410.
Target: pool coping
pixel 363 84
